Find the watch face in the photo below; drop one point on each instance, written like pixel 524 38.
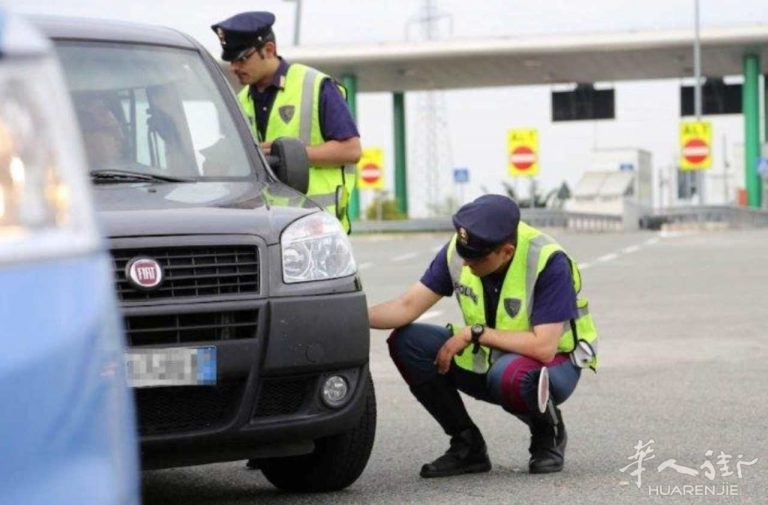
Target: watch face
pixel 477 329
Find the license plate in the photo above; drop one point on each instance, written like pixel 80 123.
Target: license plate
pixel 177 366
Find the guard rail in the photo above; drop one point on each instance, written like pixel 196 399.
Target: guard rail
pixel 709 217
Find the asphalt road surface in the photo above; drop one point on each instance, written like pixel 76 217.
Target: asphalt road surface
pixel 679 402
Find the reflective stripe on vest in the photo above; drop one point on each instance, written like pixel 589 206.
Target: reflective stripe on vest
pixel 516 298
pixel 295 113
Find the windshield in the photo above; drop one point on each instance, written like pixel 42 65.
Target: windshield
pixel 151 110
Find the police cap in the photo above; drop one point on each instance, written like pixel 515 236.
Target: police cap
pixel 242 32
pixel 484 224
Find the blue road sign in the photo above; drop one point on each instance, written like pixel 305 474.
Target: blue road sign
pixel 762 167
pixel 461 175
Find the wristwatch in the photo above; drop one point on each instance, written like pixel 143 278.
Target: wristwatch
pixel 476 330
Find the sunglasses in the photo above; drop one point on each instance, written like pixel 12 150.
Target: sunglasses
pixel 244 55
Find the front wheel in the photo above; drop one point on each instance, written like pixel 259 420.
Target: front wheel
pixel 336 462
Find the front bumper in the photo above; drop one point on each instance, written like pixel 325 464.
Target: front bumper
pixel 267 398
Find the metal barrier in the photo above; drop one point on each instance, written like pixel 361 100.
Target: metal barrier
pixel 699 217
pixel 710 216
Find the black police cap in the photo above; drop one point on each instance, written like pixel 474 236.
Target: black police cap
pixel 484 224
pixel 242 32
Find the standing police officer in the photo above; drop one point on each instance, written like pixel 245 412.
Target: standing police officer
pixel 517 290
pixel 284 99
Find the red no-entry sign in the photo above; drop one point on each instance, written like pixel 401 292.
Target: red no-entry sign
pixel 523 152
pixel 522 158
pixel 370 173
pixel 370 168
pixel 695 151
pixel 695 145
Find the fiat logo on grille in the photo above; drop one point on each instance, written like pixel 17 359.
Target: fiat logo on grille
pixel 144 273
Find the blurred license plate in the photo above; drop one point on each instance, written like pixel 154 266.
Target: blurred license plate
pixel 177 366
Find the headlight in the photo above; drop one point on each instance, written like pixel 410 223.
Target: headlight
pixel 45 206
pixel 315 248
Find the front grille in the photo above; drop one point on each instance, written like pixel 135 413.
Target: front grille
pixel 283 396
pixel 192 271
pixel 188 408
pixel 177 328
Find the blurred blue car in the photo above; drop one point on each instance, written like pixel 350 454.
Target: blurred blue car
pixel 67 426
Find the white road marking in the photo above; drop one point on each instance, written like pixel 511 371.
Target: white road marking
pixel 582 266
pixel 629 249
pixel 404 257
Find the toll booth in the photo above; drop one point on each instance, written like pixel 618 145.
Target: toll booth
pixel 618 179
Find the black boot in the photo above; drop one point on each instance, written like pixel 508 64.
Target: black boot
pixel 548 440
pixel 467 454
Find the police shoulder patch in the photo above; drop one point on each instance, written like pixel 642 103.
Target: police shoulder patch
pixel 286 113
pixel 512 306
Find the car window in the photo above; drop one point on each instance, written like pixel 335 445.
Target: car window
pixel 151 109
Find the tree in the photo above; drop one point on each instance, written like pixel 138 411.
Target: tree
pixel 383 209
pixel 554 198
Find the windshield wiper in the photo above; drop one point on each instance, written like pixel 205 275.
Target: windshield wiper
pixel 129 175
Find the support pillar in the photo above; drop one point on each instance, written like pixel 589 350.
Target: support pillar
pixel 401 173
pixel 751 111
pixel 350 82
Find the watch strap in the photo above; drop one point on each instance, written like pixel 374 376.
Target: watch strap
pixel 476 337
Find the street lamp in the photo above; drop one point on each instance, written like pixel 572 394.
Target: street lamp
pixel 296 22
pixel 696 62
pixel 697 90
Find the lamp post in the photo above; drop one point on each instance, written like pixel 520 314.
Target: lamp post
pixel 697 106
pixel 296 22
pixel 696 62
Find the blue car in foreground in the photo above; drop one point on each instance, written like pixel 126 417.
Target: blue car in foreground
pixel 67 426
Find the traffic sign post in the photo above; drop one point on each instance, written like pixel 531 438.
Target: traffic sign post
pixel 762 167
pixel 370 169
pixel 523 152
pixel 460 178
pixel 461 175
pixel 695 145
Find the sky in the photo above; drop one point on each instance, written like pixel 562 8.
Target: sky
pixel 472 124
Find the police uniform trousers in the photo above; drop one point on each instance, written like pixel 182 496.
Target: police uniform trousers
pixel 511 382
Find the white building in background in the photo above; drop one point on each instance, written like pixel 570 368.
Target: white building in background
pixel 614 178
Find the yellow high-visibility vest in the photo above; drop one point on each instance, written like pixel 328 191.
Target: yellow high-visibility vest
pixel 533 250
pixel 295 113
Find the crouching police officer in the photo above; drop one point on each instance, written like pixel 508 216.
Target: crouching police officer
pixel 282 99
pixel 517 290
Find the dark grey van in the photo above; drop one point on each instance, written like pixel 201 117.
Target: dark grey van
pixel 244 313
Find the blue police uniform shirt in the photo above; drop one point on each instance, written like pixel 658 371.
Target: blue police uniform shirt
pixel 554 299
pixel 336 122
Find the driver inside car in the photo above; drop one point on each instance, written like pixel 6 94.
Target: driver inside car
pixel 103 136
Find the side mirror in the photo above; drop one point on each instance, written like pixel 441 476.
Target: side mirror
pixel 288 160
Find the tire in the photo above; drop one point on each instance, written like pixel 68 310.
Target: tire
pixel 337 461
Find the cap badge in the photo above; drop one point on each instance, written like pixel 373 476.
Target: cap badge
pixel 463 236
pixel 222 35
